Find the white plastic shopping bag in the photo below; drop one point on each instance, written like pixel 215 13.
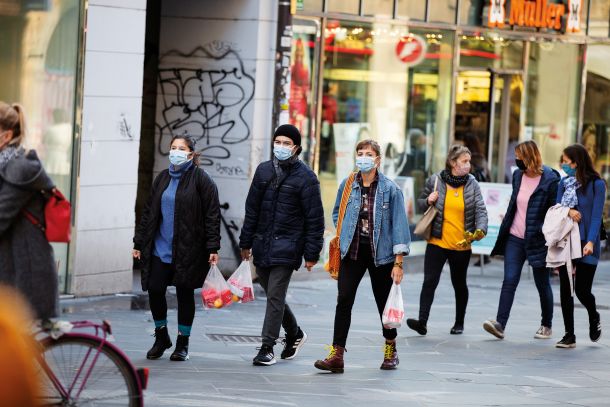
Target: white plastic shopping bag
pixel 240 283
pixel 216 292
pixel 394 310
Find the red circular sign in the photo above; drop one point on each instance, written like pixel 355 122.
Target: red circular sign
pixel 411 49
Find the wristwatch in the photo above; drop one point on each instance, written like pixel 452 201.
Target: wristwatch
pixel 398 264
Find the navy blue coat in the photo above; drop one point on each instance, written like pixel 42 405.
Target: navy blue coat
pixel 541 200
pixel 284 220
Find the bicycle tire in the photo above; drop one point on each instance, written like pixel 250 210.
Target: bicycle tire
pixel 112 381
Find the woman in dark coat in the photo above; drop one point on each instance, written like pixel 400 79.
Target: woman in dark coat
pixel 520 237
pixel 176 241
pixel 26 257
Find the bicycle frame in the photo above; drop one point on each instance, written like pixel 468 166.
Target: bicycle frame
pixel 101 334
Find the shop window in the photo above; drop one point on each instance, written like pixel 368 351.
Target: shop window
pixel 343 6
pixel 491 50
pixel 38 68
pixel 442 11
pixel 553 97
pixel 471 12
pixel 599 18
pixel 412 9
pixel 378 8
pixel 314 6
pixel 390 84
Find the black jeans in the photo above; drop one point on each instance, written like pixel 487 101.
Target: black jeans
pixel 350 275
pixel 582 288
pixel 275 281
pixel 434 261
pixel 161 275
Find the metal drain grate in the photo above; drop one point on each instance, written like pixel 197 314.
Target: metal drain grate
pixel 235 338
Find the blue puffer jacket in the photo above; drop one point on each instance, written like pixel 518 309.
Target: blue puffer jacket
pixel 284 220
pixel 541 200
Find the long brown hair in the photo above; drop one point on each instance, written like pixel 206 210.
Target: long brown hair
pixel 530 154
pixel 12 117
pixel 585 172
pixel 190 142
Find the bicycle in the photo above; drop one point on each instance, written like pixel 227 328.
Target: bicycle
pixel 81 369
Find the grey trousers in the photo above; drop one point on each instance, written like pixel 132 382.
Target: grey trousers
pixel 274 281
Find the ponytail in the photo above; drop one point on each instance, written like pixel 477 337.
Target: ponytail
pixel 12 117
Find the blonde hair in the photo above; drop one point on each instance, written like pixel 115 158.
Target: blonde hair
pixel 12 117
pixel 455 151
pixel 528 150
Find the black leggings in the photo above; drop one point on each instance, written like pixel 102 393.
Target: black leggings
pixel 582 288
pixel 160 278
pixel 434 261
pixel 350 275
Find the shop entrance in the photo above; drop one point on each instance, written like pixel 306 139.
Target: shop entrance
pixel 487 117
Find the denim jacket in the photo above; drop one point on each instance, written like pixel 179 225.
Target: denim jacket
pixel 390 226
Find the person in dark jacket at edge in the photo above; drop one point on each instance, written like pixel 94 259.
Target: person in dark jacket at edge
pixel 26 257
pixel 176 240
pixel 520 237
pixel 284 223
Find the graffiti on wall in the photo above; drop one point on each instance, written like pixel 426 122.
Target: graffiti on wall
pixel 205 93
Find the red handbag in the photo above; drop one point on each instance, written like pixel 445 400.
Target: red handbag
pixel 57 213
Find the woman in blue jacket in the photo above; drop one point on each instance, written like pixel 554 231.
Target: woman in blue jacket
pixel 374 237
pixel 520 237
pixel 584 191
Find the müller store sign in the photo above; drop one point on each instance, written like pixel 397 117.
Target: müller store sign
pixel 563 17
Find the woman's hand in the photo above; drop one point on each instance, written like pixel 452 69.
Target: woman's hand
pixel 575 215
pixel 213 259
pixel 588 249
pixel 432 198
pixel 397 274
pixel 136 254
pixel 245 254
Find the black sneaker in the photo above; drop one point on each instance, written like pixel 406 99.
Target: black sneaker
pixel 265 356
pixel 292 346
pixel 568 341
pixel 417 326
pixel 595 330
pixel 457 329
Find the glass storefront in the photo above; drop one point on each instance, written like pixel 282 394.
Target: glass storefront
pixel 38 68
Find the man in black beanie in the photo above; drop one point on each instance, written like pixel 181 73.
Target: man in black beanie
pixel 284 224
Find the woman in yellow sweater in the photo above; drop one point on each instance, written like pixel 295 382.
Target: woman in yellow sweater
pixel 461 214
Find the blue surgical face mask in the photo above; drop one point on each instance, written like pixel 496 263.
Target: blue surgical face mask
pixel 365 164
pixel 282 153
pixel 568 170
pixel 178 157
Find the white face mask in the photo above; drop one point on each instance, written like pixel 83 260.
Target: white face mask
pixel 461 170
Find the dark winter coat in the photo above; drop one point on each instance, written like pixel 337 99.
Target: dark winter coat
pixel 284 216
pixel 26 257
pixel 541 200
pixel 196 227
pixel 475 212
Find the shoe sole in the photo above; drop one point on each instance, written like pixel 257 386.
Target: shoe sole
pixel 456 332
pixel 492 330
pixel 332 370
pixel 538 336
pixel 179 359
pixel 270 363
pixel 298 348
pixel 561 346
pixel 391 368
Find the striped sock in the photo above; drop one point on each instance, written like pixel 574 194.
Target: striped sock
pixel 160 323
pixel 184 330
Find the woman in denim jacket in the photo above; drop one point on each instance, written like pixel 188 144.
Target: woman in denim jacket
pixel 374 237
pixel 460 209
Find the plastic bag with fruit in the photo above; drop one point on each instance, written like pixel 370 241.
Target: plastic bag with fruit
pixel 240 283
pixel 216 292
pixel 394 310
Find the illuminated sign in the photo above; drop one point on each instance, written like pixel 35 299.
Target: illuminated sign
pixel 536 14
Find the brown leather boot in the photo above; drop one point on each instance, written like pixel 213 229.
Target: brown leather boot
pixel 390 356
pixel 334 360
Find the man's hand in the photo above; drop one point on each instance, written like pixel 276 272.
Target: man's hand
pixel 245 254
pixel 309 265
pixel 213 259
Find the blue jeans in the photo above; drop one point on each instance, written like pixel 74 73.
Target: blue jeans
pixel 514 259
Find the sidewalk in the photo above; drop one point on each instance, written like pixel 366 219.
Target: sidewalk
pixel 439 369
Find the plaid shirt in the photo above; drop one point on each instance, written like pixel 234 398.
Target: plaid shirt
pixel 370 203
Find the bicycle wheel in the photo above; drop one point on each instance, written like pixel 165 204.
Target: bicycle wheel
pixel 85 374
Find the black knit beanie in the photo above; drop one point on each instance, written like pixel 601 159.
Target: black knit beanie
pixel 288 130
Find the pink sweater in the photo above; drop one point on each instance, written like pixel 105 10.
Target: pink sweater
pixel 528 186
